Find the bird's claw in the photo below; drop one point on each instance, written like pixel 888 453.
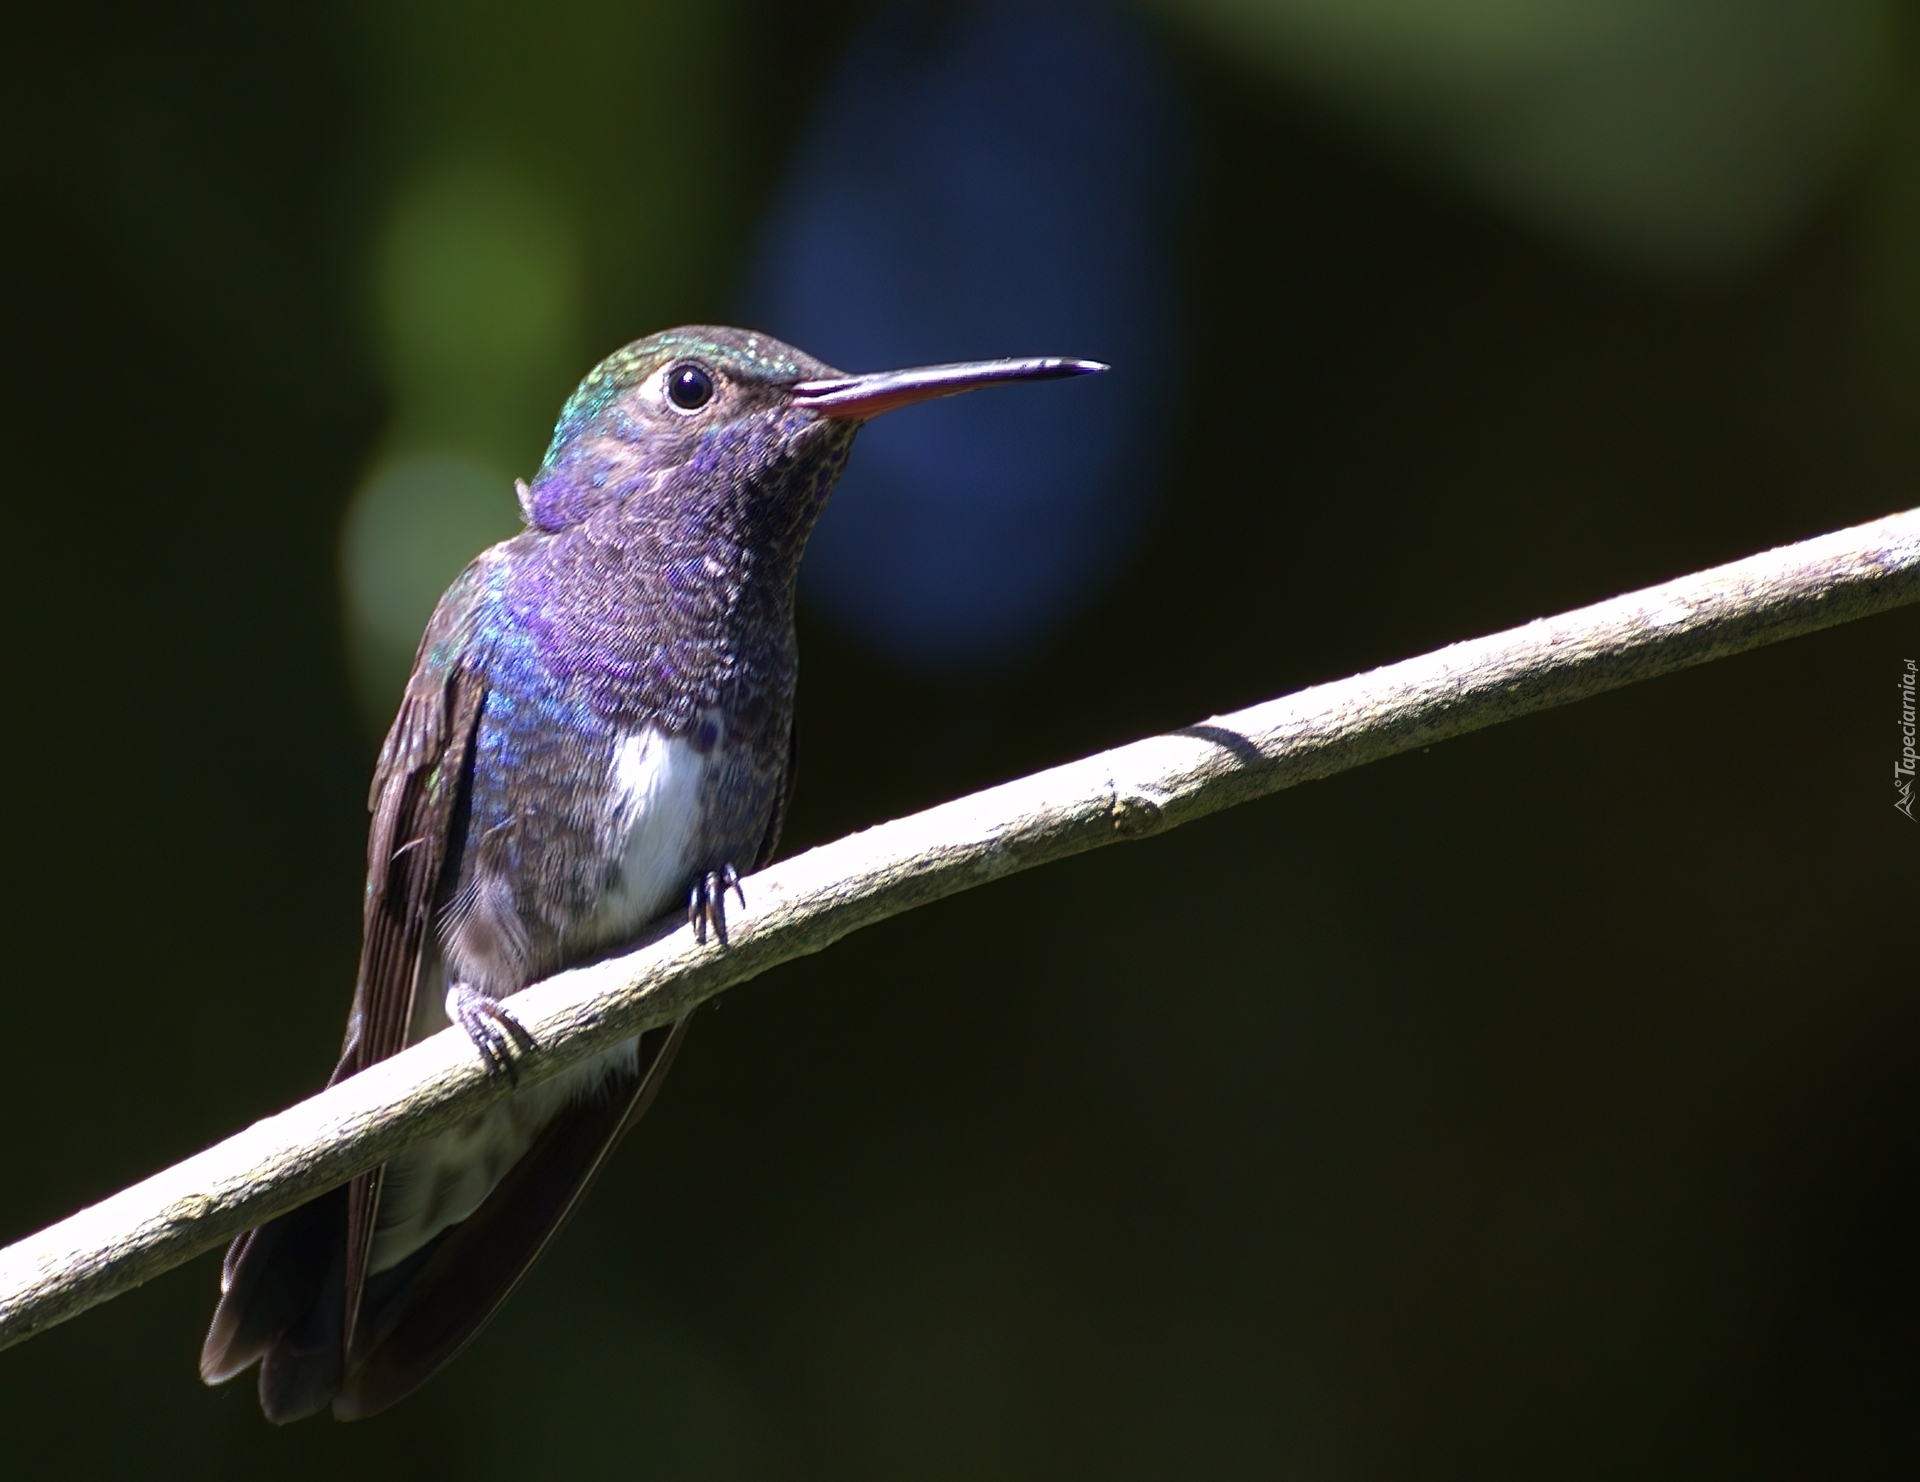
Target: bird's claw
pixel 707 902
pixel 495 1033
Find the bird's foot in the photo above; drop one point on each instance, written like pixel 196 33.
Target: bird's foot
pixel 495 1033
pixel 707 902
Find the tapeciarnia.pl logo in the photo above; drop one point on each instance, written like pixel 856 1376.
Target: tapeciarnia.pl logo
pixel 1903 769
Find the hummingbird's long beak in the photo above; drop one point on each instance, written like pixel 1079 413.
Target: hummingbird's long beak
pixel 860 397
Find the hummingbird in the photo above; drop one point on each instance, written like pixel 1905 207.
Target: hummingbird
pixel 598 731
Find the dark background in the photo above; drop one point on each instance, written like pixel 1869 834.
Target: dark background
pixel 1541 1104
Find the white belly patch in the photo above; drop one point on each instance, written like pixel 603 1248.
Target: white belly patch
pixel 657 780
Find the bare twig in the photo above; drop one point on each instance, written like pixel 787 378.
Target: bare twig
pixel 802 904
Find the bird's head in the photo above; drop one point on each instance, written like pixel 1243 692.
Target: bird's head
pixel 692 422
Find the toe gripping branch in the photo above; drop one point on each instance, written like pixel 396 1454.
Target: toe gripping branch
pixel 495 1033
pixel 707 902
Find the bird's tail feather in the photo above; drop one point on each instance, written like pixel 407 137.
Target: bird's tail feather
pixel 283 1286
pixel 412 1328
pixel 282 1300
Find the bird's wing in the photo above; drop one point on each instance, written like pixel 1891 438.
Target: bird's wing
pixel 282 1284
pixel 418 803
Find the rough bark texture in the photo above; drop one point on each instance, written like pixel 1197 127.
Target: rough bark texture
pixel 803 904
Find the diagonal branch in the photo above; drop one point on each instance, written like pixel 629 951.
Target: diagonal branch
pixel 804 903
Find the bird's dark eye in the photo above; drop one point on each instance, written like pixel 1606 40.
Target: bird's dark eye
pixel 690 387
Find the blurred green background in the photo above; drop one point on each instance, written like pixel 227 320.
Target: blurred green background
pixel 1541 1104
